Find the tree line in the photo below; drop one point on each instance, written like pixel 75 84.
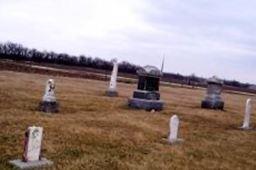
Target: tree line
pixel 17 52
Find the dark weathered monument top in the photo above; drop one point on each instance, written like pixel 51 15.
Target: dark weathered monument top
pixel 215 80
pixel 149 71
pixel 149 78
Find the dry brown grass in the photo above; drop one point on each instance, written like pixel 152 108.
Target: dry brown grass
pixel 96 132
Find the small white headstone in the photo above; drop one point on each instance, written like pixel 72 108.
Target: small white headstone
pixel 112 84
pixel 33 142
pixel 32 151
pixel 49 95
pixel 247 115
pixel 174 128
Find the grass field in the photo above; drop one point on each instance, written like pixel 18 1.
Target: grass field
pixel 96 132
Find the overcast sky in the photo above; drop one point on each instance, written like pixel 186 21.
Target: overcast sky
pixel 205 37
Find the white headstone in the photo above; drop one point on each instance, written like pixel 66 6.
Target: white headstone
pixel 112 84
pixel 174 128
pixel 49 95
pixel 33 142
pixel 247 115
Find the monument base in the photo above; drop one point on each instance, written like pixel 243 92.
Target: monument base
pixel 245 128
pixel 212 104
pixel 110 93
pixel 148 105
pixel 175 141
pixel 43 163
pixel 49 107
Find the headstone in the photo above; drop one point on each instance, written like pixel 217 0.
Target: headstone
pixel 33 142
pixel 32 151
pixel 147 95
pixel 112 91
pixel 174 129
pixel 213 98
pixel 247 115
pixel 49 103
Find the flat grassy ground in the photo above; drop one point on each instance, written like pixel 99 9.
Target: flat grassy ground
pixel 96 132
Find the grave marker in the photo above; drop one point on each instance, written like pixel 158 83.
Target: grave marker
pixel 31 158
pixel 174 129
pixel 49 103
pixel 112 92
pixel 247 115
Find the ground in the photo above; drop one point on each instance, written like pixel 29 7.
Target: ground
pixel 93 131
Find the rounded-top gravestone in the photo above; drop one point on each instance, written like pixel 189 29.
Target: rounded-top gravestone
pixel 147 95
pixel 213 97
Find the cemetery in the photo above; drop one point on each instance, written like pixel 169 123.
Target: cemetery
pixel 97 128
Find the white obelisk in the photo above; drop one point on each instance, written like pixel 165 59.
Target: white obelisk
pixel 112 91
pixel 247 114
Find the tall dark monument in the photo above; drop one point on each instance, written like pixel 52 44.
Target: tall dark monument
pixel 147 95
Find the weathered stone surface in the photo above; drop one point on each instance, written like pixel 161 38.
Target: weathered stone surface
pixel 148 105
pixel 49 107
pixel 19 164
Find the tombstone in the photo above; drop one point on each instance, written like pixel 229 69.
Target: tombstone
pixel 213 98
pixel 112 92
pixel 147 95
pixel 31 158
pixel 49 103
pixel 174 129
pixel 247 115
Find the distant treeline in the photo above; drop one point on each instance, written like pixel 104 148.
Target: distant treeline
pixel 17 52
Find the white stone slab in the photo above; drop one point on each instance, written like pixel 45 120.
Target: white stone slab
pixel 33 142
pixel 247 115
pixel 174 129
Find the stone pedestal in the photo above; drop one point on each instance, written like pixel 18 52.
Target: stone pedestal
pixel 49 107
pixel 148 105
pixel 19 164
pixel 146 100
pixel 110 93
pixel 212 104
